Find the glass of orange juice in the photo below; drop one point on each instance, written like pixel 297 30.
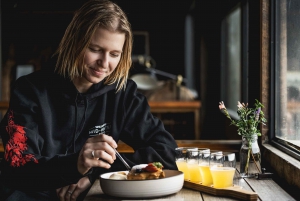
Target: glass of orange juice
pixel 222 168
pixel 204 160
pixel 192 164
pixel 181 160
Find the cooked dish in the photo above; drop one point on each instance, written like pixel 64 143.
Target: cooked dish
pixel 118 176
pixel 151 171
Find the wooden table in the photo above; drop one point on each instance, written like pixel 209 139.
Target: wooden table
pixel 266 189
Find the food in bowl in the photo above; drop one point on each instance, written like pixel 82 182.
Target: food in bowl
pixel 139 189
pixel 119 176
pixel 151 171
pixel 141 172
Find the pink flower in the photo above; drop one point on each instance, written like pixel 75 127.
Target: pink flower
pixel 239 105
pixel 222 106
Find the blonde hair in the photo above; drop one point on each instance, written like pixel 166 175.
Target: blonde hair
pixel 92 15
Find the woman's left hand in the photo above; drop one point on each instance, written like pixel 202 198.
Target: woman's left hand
pixel 72 191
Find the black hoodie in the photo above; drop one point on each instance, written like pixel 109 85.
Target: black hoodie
pixel 48 121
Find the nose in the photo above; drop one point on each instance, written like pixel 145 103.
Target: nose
pixel 103 61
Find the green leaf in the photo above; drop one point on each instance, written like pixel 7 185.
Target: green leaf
pixel 157 164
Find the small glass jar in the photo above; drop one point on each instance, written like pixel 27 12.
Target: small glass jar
pixel 250 157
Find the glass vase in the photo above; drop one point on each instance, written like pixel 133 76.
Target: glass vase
pixel 250 157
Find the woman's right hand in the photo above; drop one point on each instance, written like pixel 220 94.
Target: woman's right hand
pixel 97 151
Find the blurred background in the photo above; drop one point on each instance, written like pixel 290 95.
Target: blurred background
pixel 194 49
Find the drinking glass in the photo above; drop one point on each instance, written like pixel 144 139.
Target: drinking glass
pixel 181 160
pixel 230 160
pixel 192 164
pixel 193 156
pixel 204 161
pixel 222 168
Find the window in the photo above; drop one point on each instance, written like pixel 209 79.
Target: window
pixel 286 58
pixel 231 80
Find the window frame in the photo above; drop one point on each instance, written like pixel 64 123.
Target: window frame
pixel 274 141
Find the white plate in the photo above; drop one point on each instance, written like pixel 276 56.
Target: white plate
pixel 172 183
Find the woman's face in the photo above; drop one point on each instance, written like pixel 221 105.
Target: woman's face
pixel 101 58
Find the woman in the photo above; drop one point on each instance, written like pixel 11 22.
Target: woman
pixel 51 130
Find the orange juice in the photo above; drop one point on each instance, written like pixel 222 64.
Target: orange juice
pixel 206 175
pixel 222 176
pixel 182 166
pixel 194 170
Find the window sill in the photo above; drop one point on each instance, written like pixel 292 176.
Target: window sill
pixel 285 167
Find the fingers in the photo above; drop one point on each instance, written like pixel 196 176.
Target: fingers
pixel 101 151
pixel 98 151
pixel 98 145
pixel 71 192
pixel 65 193
pixel 82 185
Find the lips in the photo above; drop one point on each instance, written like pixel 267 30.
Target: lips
pixel 98 71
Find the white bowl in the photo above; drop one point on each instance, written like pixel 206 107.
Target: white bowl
pixel 172 183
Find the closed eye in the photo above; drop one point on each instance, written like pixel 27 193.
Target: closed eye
pixel 115 54
pixel 94 50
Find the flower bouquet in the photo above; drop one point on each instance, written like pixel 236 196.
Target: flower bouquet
pixel 249 119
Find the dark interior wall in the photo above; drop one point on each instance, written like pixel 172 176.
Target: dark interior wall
pixel 32 29
pixel 164 21
pixel 41 23
pixel 35 25
pixel 35 28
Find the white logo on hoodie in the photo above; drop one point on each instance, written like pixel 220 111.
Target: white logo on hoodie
pixel 102 129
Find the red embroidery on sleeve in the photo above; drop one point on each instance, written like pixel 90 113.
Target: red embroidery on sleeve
pixel 16 145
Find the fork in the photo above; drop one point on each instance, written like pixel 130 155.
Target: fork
pixel 123 161
pixel 117 153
